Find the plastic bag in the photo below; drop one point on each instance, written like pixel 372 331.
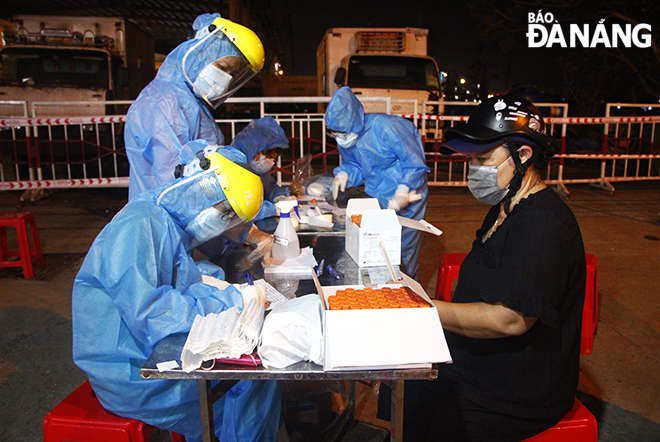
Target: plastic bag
pixel 293 332
pixel 320 185
pixel 303 171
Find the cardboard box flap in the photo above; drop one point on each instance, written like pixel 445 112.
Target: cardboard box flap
pixel 356 206
pixel 422 225
pixel 417 287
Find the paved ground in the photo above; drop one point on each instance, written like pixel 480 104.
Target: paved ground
pixel 620 381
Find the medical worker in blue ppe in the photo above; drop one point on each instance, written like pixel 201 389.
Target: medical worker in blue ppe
pixel 385 153
pixel 139 284
pixel 261 142
pixel 175 108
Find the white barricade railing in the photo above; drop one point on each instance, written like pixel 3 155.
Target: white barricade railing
pixel 619 134
pixel 17 108
pixel 82 108
pixel 62 152
pixel 627 150
pixel 88 151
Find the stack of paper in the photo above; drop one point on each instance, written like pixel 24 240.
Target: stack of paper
pixel 228 334
pixel 273 296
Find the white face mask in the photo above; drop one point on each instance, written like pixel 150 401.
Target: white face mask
pixel 482 182
pixel 261 165
pixel 211 83
pixel 346 140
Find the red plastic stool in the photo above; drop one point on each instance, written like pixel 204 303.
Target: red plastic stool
pixel 450 264
pixel 579 425
pixel 27 256
pixel 80 417
pixel 590 312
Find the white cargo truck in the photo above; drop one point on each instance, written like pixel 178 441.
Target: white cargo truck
pixel 380 62
pixel 72 59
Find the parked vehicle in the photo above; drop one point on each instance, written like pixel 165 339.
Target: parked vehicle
pixel 73 59
pixel 380 62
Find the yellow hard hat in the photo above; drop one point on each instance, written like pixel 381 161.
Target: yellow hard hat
pixel 242 188
pixel 245 40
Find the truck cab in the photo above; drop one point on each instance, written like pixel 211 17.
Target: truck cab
pixel 37 74
pixel 72 59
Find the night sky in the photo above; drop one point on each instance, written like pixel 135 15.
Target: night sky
pixel 454 39
pixel 452 29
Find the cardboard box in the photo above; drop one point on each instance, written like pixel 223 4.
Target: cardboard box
pixel 362 243
pixel 383 338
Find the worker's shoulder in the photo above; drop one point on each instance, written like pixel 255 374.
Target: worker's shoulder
pixel 388 117
pixel 140 208
pixel 392 127
pixel 385 121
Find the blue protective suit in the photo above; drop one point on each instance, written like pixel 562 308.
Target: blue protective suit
pixel 139 284
pixel 167 114
pixel 388 152
pixel 258 136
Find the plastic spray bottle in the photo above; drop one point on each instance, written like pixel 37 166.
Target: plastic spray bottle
pixel 286 244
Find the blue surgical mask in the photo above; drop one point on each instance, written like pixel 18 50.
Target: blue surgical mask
pixel 482 182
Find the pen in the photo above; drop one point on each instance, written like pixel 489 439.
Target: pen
pixel 332 271
pixel 248 278
pixel 319 268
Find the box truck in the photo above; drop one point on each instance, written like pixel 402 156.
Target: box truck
pixel 380 62
pixel 73 59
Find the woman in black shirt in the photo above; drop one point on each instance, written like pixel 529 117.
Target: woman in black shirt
pixel 513 326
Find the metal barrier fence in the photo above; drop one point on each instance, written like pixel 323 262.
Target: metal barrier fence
pixel 598 151
pixel 62 152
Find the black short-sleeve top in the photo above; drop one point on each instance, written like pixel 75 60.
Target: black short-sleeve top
pixel 533 263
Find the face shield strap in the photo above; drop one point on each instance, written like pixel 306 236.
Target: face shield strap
pixel 518 174
pixel 200 163
pixel 204 163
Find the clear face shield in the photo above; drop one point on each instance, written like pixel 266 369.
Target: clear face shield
pixel 191 195
pixel 212 178
pixel 213 222
pixel 220 79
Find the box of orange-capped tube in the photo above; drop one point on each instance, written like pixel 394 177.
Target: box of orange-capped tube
pixel 381 327
pixel 366 226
